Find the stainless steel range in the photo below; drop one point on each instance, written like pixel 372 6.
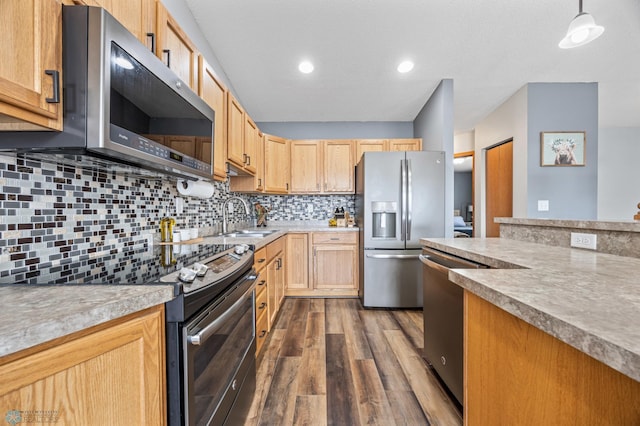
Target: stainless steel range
pixel 210 331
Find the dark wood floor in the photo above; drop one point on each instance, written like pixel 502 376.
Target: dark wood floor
pixel 329 361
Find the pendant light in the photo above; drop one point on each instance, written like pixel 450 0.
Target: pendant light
pixel 582 30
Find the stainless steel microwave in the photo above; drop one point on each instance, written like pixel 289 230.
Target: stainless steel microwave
pixel 122 106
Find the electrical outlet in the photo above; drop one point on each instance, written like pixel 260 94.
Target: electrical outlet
pixel 543 205
pixel 586 241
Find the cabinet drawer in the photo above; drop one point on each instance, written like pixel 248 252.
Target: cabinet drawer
pixel 261 283
pixel 262 324
pixel 335 238
pixel 260 258
pixel 261 302
pixel 274 248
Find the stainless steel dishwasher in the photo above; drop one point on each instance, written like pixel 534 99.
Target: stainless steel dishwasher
pixel 443 317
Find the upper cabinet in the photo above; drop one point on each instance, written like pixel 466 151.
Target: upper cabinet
pixel 175 49
pixel 138 16
pixel 369 145
pixel 215 95
pixel 241 142
pixel 251 145
pixel 338 166
pixel 405 144
pixel 276 165
pixel 31 65
pixel 306 166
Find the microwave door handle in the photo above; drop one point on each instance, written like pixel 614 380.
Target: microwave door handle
pixel 409 199
pixel 205 333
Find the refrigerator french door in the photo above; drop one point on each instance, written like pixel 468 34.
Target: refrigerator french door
pixel 399 200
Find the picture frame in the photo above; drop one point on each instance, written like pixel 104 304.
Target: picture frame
pixel 562 148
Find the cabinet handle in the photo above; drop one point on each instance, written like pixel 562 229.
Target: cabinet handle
pixel 168 53
pixel 259 181
pixel 153 42
pixel 262 334
pixel 244 158
pixel 334 239
pixel 55 76
pixel 261 283
pixel 261 260
pixel 262 305
pixel 287 186
pixel 248 160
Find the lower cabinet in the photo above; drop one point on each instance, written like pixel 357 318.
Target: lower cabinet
pixel 110 374
pixel 323 264
pixel 270 264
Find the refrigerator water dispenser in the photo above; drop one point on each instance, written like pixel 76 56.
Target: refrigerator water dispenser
pixel 384 219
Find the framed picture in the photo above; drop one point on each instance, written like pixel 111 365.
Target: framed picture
pixel 562 148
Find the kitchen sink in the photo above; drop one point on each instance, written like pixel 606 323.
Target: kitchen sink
pixel 248 233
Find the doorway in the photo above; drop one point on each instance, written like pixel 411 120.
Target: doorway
pixel 499 171
pixel 463 178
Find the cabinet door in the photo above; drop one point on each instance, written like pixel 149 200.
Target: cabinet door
pixel 339 166
pixel 214 94
pixel 235 132
pixel 368 145
pixel 250 145
pixel 259 161
pixel 31 46
pixel 276 165
pixel 272 278
pixel 405 144
pixel 175 49
pixel 281 279
pixel 335 266
pixel 297 261
pixel 306 166
pixel 113 375
pixel 138 16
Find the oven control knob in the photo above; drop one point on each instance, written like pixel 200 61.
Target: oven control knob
pixel 241 248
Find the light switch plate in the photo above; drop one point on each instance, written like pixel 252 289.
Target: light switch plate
pixel 543 205
pixel 586 241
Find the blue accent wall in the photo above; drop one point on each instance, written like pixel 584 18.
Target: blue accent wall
pixel 571 190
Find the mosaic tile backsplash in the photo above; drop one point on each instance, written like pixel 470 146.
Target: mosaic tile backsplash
pixel 57 213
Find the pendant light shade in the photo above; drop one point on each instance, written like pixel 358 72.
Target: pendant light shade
pixel 582 30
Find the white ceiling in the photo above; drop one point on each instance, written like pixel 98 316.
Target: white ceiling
pixel 489 48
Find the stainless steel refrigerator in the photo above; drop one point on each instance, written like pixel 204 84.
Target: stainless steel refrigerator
pixel 399 199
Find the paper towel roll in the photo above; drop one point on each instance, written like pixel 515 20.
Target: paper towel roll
pixel 198 189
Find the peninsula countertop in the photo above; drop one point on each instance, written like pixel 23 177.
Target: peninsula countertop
pixel 588 300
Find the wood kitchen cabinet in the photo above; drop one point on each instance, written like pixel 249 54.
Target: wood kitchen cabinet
pixel 242 143
pixel 322 264
pixel 31 65
pixel 215 95
pixel 276 165
pixel 251 145
pixel 109 374
pixel 275 277
pixel 138 16
pixel 297 262
pixel 370 145
pixel 338 166
pixel 405 144
pixel 248 183
pixel 306 166
pixel 262 307
pixel 175 48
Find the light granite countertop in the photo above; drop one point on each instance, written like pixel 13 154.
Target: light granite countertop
pixel 588 300
pixel 32 314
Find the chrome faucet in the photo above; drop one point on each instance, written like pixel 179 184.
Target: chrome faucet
pixel 225 208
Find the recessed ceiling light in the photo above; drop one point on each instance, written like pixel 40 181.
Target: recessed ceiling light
pixel 305 67
pixel 405 66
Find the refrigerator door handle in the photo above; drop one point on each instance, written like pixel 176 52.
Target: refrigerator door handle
pixel 409 200
pixel 393 256
pixel 403 200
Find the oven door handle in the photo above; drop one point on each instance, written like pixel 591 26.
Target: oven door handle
pixel 206 332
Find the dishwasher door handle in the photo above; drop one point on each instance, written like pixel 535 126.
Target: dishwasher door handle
pixel 392 256
pixel 429 263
